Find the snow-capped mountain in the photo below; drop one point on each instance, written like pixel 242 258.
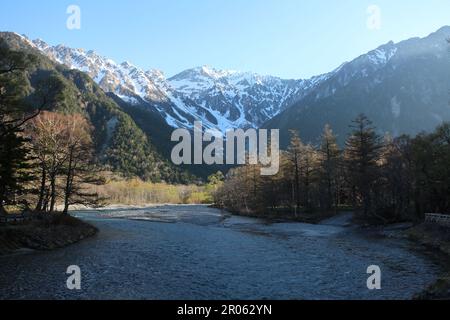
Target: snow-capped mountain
pixel 402 87
pixel 226 99
pixel 240 99
pixel 221 99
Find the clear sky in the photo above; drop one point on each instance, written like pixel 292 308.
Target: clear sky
pixel 286 38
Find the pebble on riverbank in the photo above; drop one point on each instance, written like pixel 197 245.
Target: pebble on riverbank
pixel 48 232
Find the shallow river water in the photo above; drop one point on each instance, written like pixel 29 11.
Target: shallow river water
pixel 195 252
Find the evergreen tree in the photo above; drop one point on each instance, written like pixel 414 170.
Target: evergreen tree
pixel 308 176
pixel 329 167
pixel 361 155
pixel 295 149
pixel 14 167
pixel 14 170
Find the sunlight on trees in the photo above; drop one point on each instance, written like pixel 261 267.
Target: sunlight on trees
pixel 382 180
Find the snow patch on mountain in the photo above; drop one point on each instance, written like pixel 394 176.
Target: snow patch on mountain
pixel 221 99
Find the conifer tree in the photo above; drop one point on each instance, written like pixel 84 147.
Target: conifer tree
pixel 361 155
pixel 14 170
pixel 329 167
pixel 295 149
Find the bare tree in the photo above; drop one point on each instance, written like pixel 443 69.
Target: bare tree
pixel 79 169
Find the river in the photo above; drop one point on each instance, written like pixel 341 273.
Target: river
pixel 196 252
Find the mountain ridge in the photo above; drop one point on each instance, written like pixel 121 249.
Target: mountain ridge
pixel 228 99
pixel 402 87
pixel 120 144
pixel 222 99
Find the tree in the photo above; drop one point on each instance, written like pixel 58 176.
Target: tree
pixel 431 156
pixel 14 87
pixel 15 112
pixel 295 149
pixel 396 176
pixel 63 148
pixel 308 174
pixel 216 178
pixel 49 142
pixel 302 161
pixel 79 167
pixel 329 167
pixel 15 170
pixel 13 154
pixel 361 155
pixel 215 181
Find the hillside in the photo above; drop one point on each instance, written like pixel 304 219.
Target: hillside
pixel 403 88
pixel 221 99
pixel 121 145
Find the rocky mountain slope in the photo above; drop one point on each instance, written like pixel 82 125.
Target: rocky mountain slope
pixel 121 145
pixel 221 99
pixel 403 88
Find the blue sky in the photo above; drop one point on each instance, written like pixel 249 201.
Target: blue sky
pixel 287 38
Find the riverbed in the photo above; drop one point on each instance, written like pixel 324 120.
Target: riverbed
pixel 196 252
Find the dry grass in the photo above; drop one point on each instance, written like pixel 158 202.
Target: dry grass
pixel 138 192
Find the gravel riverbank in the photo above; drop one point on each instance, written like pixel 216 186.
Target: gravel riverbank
pixel 48 232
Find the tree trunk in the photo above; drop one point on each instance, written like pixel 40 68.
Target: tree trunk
pixel 2 199
pixel 2 209
pixel 52 193
pixel 68 189
pixel 46 200
pixel 330 193
pixel 39 206
pixel 297 187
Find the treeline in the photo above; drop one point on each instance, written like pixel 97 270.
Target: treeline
pixel 138 192
pixel 383 179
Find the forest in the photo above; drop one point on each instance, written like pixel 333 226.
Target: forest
pixel 383 179
pixel 59 134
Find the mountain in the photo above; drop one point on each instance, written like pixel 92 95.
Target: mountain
pixel 121 145
pixel 239 99
pixel 403 88
pixel 220 99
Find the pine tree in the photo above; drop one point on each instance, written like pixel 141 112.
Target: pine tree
pixel 329 167
pixel 14 169
pixel 295 149
pixel 308 174
pixel 361 156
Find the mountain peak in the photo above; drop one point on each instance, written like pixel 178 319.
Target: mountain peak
pixel 444 30
pixel 127 64
pixel 41 44
pixel 156 74
pixel 213 73
pixel 227 98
